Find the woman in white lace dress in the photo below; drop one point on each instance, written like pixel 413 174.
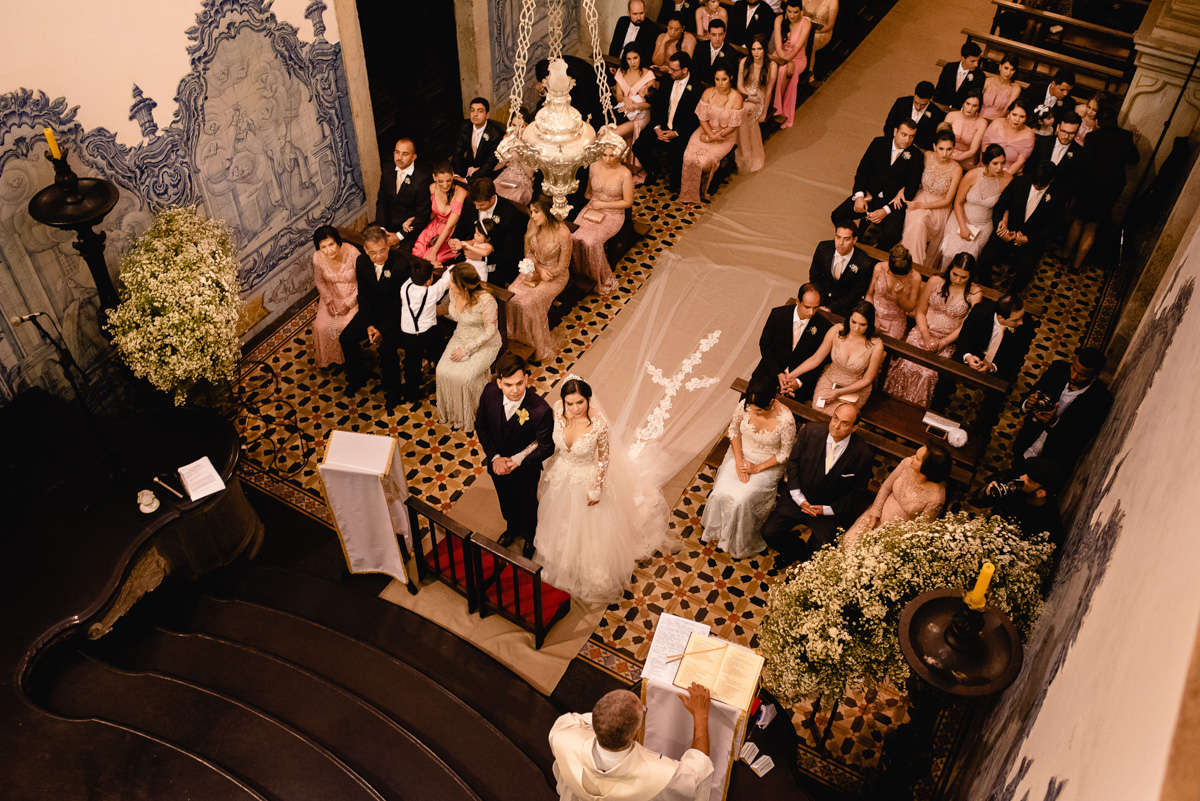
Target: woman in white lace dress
pixel 761 436
pixel 595 518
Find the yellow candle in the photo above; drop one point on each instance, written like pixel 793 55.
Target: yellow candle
pixel 53 143
pixel 977 598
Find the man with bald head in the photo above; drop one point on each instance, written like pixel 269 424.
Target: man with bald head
pixel 598 756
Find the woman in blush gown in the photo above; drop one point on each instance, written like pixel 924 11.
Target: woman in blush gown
pixel 466 363
pixel 927 213
pixel 633 83
pixel 787 44
pixel 548 246
pixel 854 354
pixel 968 127
pixel 1000 90
pixel 756 79
pixel 670 42
pixel 706 13
pixel 720 114
pixel 945 302
pixel 1012 134
pixel 596 519
pixel 761 435
pixel 916 488
pixel 971 226
pixel 610 194
pixel 446 198
pixel 894 291
pixel 337 290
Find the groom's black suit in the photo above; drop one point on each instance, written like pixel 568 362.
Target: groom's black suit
pixel 775 345
pixel 501 436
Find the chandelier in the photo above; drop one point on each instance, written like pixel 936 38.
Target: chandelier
pixel 558 141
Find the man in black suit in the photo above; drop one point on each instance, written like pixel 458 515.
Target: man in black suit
pixel 380 273
pixel 713 55
pixel 634 28
pixel 792 333
pixel 1047 100
pixel 920 110
pixel 841 271
pixel 475 150
pixel 959 77
pixel 888 175
pixel 1028 212
pixel 1028 497
pixel 1064 411
pixel 682 10
pixel 747 19
pixel 515 428
pixel 672 120
pixel 995 337
pixel 501 222
pixel 825 487
pixel 402 208
pixel 1061 152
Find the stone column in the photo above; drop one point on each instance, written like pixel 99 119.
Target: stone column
pixel 350 38
pixel 474 54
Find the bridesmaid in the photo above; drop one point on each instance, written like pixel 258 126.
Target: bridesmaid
pixel 720 114
pixel 894 291
pixel 610 193
pixel 788 43
pixel 337 289
pixel 854 354
pixel 633 82
pixel 927 213
pixel 1012 134
pixel 674 39
pixel 978 191
pixel 712 9
pixel 446 198
pixel 466 363
pixel 756 78
pixel 548 246
pixel 1000 90
pixel 968 127
pixel 916 488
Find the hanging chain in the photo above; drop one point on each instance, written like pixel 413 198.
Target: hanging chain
pixel 555 13
pixel 516 95
pixel 589 13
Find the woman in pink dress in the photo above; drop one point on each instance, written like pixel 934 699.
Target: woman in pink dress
pixel 945 302
pixel 610 193
pixel 712 9
pixel 671 42
pixel 1000 90
pixel 968 127
pixel 720 114
pixel 788 43
pixel 548 246
pixel 1012 134
pixel 916 488
pixel 446 201
pixel 854 354
pixel 1088 113
pixel 894 291
pixel 633 84
pixel 756 79
pixel 928 211
pixel 337 290
pixel 971 226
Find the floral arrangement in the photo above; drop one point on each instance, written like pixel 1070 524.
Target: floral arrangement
pixel 832 623
pixel 177 323
pixel 525 266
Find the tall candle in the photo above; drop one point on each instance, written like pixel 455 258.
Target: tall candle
pixel 977 598
pixel 53 143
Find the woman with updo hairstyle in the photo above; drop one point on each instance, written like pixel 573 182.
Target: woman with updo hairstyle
pixel 337 292
pixel 970 226
pixel 894 291
pixel 466 363
pixel 761 435
pixel 916 488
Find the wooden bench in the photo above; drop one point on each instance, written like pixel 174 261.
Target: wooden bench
pixel 1098 43
pixel 1043 62
pixel 511 586
pixel 441 548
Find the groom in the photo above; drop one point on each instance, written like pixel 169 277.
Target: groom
pixel 516 431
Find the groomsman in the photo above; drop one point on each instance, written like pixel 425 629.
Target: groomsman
pixel 713 55
pixel 1061 152
pixel 841 271
pixel 475 150
pixel 747 19
pixel 515 428
pixel 888 176
pixel 1027 214
pixel 402 208
pixel 380 273
pixel 793 332
pixel 672 120
pixel 959 77
pixel 920 110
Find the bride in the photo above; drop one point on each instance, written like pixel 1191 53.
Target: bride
pixel 595 519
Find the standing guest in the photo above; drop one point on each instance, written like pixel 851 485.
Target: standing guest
pixel 916 488
pixel 959 77
pixel 888 174
pixel 823 14
pixel 502 224
pixel 635 30
pixel 548 246
pixel 761 435
pixel 708 12
pixel 968 127
pixel 463 369
pixel 945 302
pixel 894 291
pixel 840 270
pixel 977 194
pixel 995 337
pixel 379 274
pixel 1109 151
pixel 712 55
pixel 756 80
pixel 826 476
pixel 918 108
pixel 1064 411
pixel 633 84
pixel 1028 213
pixel 749 19
pixel 515 428
pixel 1089 114
pixel 1046 100
pixel 672 120
pixel 402 208
pixel 682 10
pixel 446 198
pixel 926 215
pixel 1012 134
pixel 337 290
pixel 419 298
pixel 854 354
pixel 1000 90
pixel 1061 152
pixel 788 49
pixel 720 114
pixel 475 150
pixel 673 40
pixel 610 195
pixel 792 333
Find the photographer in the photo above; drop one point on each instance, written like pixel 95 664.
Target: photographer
pixel 1063 412
pixel 1029 498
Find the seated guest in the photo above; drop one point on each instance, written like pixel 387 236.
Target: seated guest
pixel 720 114
pixel 970 226
pixel 826 478
pixel 916 488
pixel 672 121
pixel 1026 216
pixel 673 40
pixel 1061 152
pixel 708 12
pixel 792 333
pixel 633 85
pixel 841 271
pixel 854 354
pixel 465 367
pixel 402 207
pixel 888 174
pixel 337 290
pixel 634 29
pixel 1109 152
pixel 419 298
pixel 475 150
pixel 502 224
pixel 1000 90
pixel 1028 497
pixel 789 42
pixel 823 14
pixel 968 127
pixel 610 194
pixel 1012 134
pixel 926 215
pixel 920 110
pixel 1064 411
pixel 446 198
pixel 712 55
pixel 1045 100
pixel 894 291
pixel 946 300
pixel 379 273
pixel 995 337
pixel 682 10
pixel 747 20
pixel 548 246
pixel 761 435
pixel 755 82
pixel 959 77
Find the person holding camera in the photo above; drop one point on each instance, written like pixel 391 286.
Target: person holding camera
pixel 1064 411
pixel 1029 498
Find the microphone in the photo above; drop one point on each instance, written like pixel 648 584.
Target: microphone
pixel 24 318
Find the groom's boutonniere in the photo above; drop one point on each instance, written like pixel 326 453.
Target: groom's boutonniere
pixel 853 267
pixel 1046 197
pixel 812 331
pixel 906 155
pixel 522 416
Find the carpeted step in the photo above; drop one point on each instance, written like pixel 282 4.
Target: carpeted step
pixel 268 756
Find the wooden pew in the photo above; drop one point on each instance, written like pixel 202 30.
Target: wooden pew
pixel 1098 43
pixel 1044 62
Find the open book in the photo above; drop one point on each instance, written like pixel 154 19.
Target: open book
pixel 200 479
pixel 728 670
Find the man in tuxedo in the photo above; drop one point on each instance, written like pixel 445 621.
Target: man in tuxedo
pixel 1047 100
pixel 515 428
pixel 841 271
pixel 825 487
pixel 672 120
pixel 792 333
pixel 747 19
pixel 501 222
pixel 1026 215
pixel 713 55
pixel 1061 152
pixel 959 77
pixel 380 273
pixel 402 208
pixel 634 28
pixel 918 108
pixel 888 175
pixel 475 149
pixel 1064 411
pixel 995 337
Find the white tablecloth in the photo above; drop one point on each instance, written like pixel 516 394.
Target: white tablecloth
pixel 669 730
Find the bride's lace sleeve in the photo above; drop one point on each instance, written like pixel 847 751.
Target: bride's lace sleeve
pixel 787 436
pixel 735 425
pixel 602 457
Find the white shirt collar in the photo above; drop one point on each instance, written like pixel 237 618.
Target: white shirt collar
pixel 896 151
pixel 796 321
pixel 490 210
pixel 607 760
pixel 511 406
pixel 401 174
pixel 838 448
